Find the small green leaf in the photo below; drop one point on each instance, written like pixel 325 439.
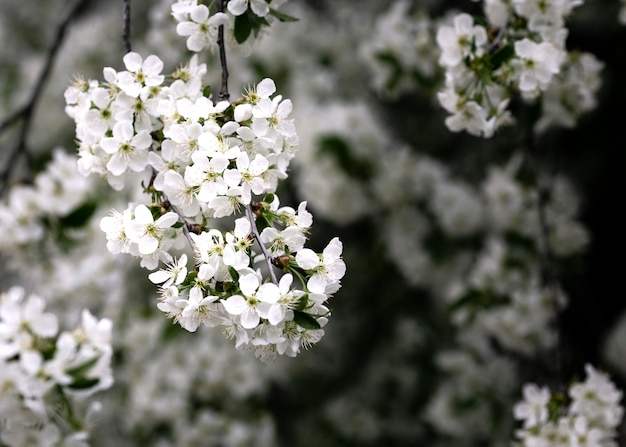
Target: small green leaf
pixel 206 91
pixel 269 198
pixel 282 16
pixel 305 320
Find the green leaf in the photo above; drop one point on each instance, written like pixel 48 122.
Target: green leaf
pixel 243 27
pixel 206 91
pixel 269 198
pixel 262 223
pixel 282 16
pixel 305 320
pixel 79 216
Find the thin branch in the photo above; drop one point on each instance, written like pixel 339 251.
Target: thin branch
pixel 224 94
pixel 25 113
pixel 257 236
pixel 185 224
pixel 126 27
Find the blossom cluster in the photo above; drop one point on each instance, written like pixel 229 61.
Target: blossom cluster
pixel 57 197
pixel 199 23
pixel 203 160
pixel 401 52
pixel 519 53
pixel 45 375
pixel 587 416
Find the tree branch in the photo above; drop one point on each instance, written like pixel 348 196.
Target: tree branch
pixel 126 26
pixel 25 113
pixel 224 94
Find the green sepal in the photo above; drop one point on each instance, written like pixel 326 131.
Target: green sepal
pixel 178 224
pixel 305 320
pixel 269 198
pixel 206 91
pixel 282 16
pixel 79 216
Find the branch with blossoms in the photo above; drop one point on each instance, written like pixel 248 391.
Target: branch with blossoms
pixel 208 160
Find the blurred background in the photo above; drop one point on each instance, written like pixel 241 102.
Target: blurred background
pixel 441 317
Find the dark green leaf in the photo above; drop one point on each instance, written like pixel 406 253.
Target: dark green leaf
pixel 243 27
pixel 305 320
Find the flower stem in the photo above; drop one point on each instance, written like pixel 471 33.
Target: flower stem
pixel 257 236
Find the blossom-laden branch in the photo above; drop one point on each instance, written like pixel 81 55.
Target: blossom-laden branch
pixel 25 113
pixel 209 160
